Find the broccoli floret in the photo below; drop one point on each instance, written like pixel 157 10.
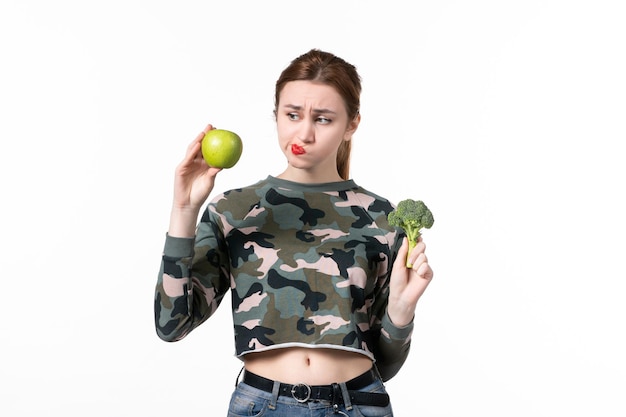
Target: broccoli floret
pixel 412 216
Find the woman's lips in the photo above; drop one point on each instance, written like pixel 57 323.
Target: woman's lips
pixel 297 149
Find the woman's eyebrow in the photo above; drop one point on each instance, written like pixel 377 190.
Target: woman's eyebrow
pixel 323 111
pixel 316 111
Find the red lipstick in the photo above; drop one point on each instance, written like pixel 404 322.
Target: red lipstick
pixel 297 149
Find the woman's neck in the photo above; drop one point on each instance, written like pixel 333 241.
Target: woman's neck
pixel 305 176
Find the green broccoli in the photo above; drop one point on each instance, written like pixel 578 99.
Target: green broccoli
pixel 411 216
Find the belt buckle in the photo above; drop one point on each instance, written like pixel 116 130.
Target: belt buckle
pixel 294 394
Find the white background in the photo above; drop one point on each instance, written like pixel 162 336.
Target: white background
pixel 505 117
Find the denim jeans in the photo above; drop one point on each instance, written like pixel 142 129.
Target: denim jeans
pixel 248 401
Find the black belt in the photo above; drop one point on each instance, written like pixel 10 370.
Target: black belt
pixel 303 392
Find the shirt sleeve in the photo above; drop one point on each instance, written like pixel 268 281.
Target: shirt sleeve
pixel 192 281
pixel 393 347
pixel 392 343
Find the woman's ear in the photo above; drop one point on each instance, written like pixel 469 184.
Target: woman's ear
pixel 352 127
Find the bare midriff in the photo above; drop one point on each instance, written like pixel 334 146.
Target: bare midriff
pixel 296 365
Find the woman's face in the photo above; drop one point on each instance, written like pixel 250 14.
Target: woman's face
pixel 312 122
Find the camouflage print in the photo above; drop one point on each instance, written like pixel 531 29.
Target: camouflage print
pixel 308 265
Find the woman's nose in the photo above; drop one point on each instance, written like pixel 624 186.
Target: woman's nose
pixel 306 132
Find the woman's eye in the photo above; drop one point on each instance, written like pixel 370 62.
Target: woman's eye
pixel 292 116
pixel 323 120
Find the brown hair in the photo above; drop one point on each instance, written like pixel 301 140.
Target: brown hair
pixel 326 68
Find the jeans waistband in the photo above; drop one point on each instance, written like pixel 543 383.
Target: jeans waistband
pixel 335 393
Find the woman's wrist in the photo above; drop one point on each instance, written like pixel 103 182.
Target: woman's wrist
pixel 183 222
pixel 400 317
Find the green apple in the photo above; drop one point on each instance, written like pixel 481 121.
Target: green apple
pixel 221 148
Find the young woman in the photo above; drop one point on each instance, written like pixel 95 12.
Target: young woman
pixel 322 301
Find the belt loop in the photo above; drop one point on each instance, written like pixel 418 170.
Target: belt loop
pixel 346 396
pixel 275 394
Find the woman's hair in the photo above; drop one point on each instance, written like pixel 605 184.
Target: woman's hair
pixel 326 68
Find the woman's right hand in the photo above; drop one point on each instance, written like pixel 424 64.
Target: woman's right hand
pixel 193 182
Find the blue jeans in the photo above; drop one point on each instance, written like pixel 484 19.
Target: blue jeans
pixel 248 401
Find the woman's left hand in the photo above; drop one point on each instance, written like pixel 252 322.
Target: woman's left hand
pixel 407 285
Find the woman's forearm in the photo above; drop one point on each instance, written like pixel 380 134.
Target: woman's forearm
pixel 183 222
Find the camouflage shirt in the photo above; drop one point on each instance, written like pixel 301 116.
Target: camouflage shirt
pixel 307 265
